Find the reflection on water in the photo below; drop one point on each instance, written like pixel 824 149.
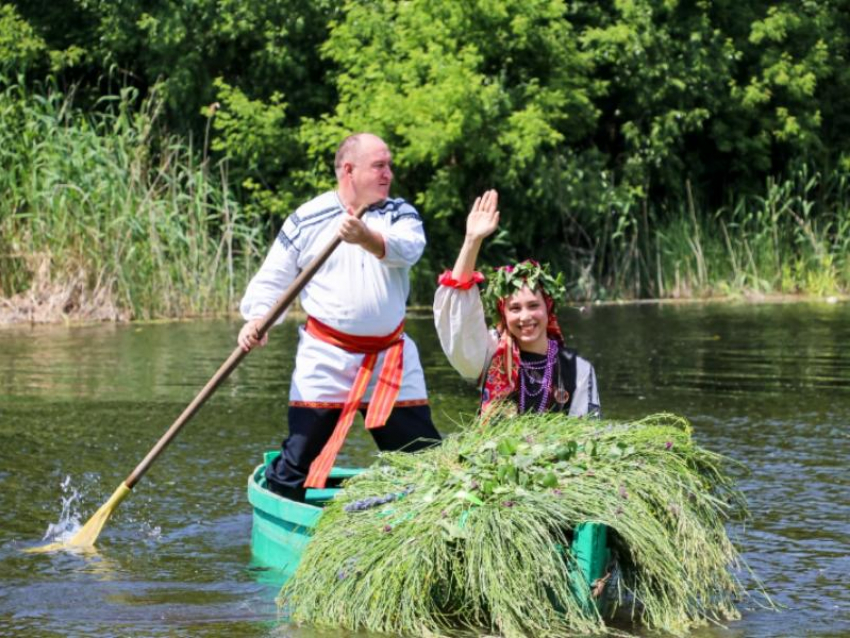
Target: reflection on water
pixel 767 385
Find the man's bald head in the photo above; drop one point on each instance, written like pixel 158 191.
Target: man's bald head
pixel 350 148
pixel 364 171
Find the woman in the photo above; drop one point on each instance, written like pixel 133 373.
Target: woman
pixel 524 360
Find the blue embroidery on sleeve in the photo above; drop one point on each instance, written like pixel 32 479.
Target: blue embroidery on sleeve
pixel 398 209
pixel 286 241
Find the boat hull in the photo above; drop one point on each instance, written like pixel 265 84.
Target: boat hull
pixel 281 528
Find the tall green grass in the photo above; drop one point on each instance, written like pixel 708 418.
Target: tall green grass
pixel 791 238
pixel 103 209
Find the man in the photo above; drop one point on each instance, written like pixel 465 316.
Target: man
pixel 353 351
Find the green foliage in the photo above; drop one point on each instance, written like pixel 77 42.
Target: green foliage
pixel 20 46
pixel 255 139
pixel 665 66
pixel 797 52
pixel 462 92
pixel 625 136
pixel 472 528
pixel 263 47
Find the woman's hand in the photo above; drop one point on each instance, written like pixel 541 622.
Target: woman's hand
pixel 481 222
pixel 483 218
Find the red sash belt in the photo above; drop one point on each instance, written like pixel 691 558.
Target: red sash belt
pixel 383 399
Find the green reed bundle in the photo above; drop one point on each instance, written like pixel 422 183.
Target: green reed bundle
pixel 463 535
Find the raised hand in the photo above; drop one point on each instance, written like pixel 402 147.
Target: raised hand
pixel 481 222
pixel 483 218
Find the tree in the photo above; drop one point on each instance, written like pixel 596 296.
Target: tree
pixel 468 95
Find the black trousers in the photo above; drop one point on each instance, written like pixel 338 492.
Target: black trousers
pixel 407 428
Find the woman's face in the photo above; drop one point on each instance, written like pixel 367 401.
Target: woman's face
pixel 527 319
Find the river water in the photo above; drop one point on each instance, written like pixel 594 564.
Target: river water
pixel 768 385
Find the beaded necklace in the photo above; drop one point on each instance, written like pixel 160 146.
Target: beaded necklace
pixel 527 378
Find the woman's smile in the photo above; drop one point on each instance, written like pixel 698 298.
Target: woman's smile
pixel 527 319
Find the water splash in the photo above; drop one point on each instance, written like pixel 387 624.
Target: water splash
pixel 69 518
pixel 151 532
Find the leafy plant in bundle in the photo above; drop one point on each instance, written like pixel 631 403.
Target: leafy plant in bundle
pixel 474 527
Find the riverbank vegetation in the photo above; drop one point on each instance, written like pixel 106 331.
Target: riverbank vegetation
pixel 103 221
pixel 646 148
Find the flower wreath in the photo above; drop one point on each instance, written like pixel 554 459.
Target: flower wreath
pixel 505 281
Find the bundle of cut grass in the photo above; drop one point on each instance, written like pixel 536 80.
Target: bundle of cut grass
pixel 465 534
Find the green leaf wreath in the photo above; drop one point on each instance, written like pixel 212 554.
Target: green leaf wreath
pixel 505 281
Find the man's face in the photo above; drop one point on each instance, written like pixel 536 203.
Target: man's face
pixel 371 171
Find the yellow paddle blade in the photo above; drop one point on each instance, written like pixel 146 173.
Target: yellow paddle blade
pixel 59 546
pixel 91 530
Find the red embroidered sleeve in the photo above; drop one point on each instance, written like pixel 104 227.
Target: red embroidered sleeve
pixel 447 280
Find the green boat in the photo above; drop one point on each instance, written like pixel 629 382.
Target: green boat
pixel 282 528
